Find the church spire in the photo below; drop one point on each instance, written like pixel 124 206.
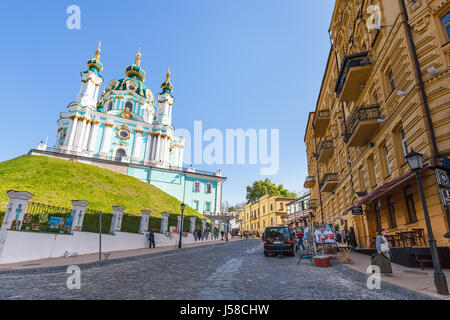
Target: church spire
pixel 167 86
pixel 135 70
pixel 94 64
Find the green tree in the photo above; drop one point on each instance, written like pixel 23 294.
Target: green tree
pixel 263 187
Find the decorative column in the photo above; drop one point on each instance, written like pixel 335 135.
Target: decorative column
pixel 93 137
pixel 87 133
pixel 78 211
pixel 137 144
pixel 68 142
pixel 145 218
pixel 192 226
pixel 203 225
pixel 106 141
pixel 158 147
pixel 164 221
pixel 116 222
pixel 15 211
pixel 149 147
pixel 80 133
pixel 179 224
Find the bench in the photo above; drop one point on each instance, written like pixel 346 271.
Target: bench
pixel 423 258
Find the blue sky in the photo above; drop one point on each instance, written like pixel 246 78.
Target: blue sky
pixel 235 64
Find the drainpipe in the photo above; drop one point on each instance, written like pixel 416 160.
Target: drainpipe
pixel 421 85
pixel 316 156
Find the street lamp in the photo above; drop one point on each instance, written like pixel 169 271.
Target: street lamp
pixel 415 161
pixel 181 224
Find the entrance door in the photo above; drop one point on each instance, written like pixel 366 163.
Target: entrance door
pixel 120 153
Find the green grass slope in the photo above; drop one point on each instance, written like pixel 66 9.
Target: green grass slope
pixel 57 182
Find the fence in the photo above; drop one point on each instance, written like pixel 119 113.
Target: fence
pixel 47 218
pixel 91 222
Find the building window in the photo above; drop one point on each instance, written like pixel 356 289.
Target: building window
pixel 388 162
pixel 446 23
pixel 392 219
pixel 129 105
pixel 110 106
pixel 196 204
pixel 208 188
pixel 362 179
pixel 207 206
pixel 374 171
pixel 271 221
pixel 281 206
pixel 391 80
pixel 197 186
pixel 404 144
pixel 271 207
pixel 264 209
pixel 412 215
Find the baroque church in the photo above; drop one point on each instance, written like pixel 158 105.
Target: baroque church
pixel 126 130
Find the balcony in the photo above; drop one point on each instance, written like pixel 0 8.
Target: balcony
pixel 321 121
pixel 329 182
pixel 361 125
pixel 309 182
pixel 325 151
pixel 354 73
pixel 313 203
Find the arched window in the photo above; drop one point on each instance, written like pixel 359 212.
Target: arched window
pixel 129 105
pixel 110 106
pixel 120 153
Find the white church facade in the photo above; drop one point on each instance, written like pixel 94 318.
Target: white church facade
pixel 126 126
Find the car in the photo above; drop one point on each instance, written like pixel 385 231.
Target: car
pixel 278 240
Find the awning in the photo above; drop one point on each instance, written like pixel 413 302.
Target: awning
pixel 380 191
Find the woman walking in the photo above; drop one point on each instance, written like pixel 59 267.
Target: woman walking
pixel 383 256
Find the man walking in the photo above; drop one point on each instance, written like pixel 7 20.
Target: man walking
pixel 151 238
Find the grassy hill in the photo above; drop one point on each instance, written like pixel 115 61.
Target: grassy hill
pixel 57 182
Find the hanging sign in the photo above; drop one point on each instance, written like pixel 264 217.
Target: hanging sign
pixel 357 211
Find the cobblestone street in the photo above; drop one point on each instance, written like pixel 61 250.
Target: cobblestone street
pixel 234 270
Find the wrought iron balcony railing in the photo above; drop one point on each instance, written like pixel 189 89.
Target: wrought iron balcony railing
pixel 329 177
pixel 359 115
pixel 354 60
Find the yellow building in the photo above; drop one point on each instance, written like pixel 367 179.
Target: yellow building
pixel 385 90
pixel 269 211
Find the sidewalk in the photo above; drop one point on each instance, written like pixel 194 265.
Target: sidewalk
pixel 415 279
pixel 93 257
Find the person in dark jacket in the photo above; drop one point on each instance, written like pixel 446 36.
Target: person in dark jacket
pixel 383 256
pixel 151 239
pixel 352 238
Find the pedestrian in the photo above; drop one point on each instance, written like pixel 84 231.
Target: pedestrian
pixel 151 239
pixel 383 257
pixel 338 237
pixel 199 234
pixel 352 238
pixel 195 235
pixel 215 234
pixel 300 241
pixel 222 233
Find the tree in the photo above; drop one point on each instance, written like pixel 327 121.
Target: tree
pixel 261 188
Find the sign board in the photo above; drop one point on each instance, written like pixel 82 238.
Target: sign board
pixel 445 193
pixel 357 211
pixel 444 185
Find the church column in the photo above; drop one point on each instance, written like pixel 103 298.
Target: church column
pixel 164 148
pixel 153 147
pixel 106 139
pixel 158 147
pixel 87 134
pixel 137 144
pixel 149 146
pixel 79 133
pixel 71 132
pixel 93 137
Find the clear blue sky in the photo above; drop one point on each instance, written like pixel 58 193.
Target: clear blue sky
pixel 235 64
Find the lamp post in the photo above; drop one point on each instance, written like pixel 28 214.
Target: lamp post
pixel 415 161
pixel 181 224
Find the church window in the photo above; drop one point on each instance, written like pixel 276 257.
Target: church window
pixel 129 105
pixel 197 186
pixel 110 106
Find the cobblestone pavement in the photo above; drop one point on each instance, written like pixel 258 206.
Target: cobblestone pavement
pixel 235 270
